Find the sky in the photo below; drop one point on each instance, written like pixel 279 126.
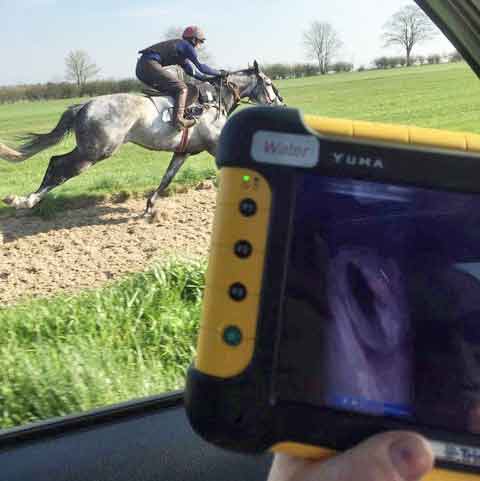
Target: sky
pixel 37 35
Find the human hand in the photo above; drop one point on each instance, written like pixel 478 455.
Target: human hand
pixel 392 456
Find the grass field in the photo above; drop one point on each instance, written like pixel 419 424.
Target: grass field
pixel 71 354
pixel 444 96
pixel 135 339
pixel 133 169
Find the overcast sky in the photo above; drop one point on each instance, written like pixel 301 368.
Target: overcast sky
pixel 36 35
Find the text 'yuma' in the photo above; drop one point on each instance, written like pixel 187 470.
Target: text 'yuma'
pixel 341 158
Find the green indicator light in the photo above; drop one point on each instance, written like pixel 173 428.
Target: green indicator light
pixel 232 335
pixel 246 178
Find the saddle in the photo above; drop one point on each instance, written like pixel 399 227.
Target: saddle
pixel 198 98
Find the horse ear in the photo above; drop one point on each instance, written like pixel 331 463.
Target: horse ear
pixel 256 67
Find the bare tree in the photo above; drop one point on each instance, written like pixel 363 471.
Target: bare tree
pixel 176 32
pixel 80 68
pixel 322 43
pixel 407 28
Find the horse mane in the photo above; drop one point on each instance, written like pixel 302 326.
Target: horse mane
pixel 245 71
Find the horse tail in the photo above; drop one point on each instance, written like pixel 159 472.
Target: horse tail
pixel 10 154
pixel 34 143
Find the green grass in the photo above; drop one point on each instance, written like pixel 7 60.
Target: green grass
pixel 132 169
pixel 443 96
pixel 70 354
pixel 57 202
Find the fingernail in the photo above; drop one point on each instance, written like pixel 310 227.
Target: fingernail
pixel 411 458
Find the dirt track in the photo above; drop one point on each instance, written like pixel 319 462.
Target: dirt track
pixel 86 248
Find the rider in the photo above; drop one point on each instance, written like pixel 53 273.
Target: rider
pixel 151 71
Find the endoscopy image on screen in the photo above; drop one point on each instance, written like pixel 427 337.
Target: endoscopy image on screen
pixel 382 307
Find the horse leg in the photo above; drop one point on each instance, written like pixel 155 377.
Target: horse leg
pixel 172 169
pixel 60 169
pixel 212 150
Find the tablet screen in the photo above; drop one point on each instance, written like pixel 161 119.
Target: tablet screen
pixel 381 312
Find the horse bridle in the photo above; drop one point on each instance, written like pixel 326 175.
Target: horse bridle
pixel 237 98
pixel 266 92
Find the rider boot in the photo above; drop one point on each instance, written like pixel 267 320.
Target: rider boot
pixel 178 117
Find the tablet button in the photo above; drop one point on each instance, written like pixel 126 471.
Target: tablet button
pixel 238 292
pixel 232 335
pixel 243 249
pixel 248 207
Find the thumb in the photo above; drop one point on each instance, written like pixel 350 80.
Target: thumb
pixel 393 456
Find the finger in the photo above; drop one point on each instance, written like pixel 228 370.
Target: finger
pixel 394 456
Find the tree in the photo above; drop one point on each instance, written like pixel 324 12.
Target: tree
pixel 455 57
pixel 381 62
pixel 342 67
pixel 277 71
pixel 393 62
pixel 406 28
pixel 421 59
pixel 434 58
pixel 322 43
pixel 176 32
pixel 80 68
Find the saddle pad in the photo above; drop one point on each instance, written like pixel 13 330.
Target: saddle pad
pixel 192 95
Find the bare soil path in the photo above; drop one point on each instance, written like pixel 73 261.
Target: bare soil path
pixel 89 247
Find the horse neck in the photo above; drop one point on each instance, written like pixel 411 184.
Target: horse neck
pixel 245 81
pixel 228 99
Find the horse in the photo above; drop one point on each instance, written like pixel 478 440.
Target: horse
pixel 103 124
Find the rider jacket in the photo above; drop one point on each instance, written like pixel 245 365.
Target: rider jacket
pixel 179 52
pixel 167 51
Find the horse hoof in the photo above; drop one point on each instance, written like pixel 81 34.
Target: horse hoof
pixel 10 199
pixel 148 215
pixel 154 217
pixel 20 202
pixel 151 218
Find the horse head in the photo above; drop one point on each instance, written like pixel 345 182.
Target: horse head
pixel 254 85
pixel 264 90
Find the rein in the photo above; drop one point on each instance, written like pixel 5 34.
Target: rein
pixel 219 101
pixel 236 98
pixel 240 102
pixel 267 92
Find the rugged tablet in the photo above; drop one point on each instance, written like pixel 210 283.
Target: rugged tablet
pixel 343 289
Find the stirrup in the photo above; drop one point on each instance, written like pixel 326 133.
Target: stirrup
pixel 178 125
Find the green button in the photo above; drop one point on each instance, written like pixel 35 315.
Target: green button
pixel 232 335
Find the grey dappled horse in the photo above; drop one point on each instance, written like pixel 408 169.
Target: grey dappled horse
pixel 104 123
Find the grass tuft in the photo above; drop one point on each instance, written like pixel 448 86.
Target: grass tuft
pixel 70 354
pixel 190 176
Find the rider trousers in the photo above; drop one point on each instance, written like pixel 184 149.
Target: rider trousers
pixel 167 82
pixel 160 78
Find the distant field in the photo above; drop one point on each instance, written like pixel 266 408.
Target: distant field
pixel 444 96
pixel 441 96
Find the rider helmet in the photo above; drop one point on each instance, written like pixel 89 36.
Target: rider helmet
pixel 193 32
